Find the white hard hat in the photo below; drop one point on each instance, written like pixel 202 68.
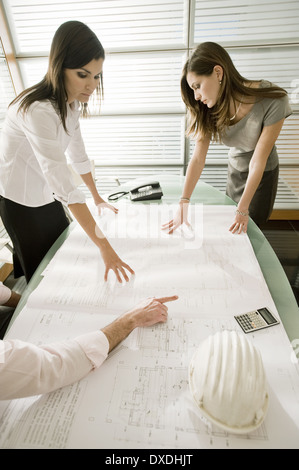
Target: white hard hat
pixel 228 382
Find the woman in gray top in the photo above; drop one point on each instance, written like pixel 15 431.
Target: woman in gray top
pixel 245 115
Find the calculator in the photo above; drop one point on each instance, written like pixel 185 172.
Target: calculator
pixel 256 320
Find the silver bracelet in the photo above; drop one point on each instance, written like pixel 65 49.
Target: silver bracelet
pixel 242 213
pixel 184 199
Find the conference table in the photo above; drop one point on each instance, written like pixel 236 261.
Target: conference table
pixel 172 187
pixel 139 398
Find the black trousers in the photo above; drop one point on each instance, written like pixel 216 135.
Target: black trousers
pixel 32 230
pixel 5 317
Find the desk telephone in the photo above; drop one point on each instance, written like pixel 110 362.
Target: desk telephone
pixel 145 192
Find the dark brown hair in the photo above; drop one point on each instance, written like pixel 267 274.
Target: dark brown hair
pixel 205 121
pixel 73 46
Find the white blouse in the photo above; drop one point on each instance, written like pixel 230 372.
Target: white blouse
pixel 34 148
pixel 27 369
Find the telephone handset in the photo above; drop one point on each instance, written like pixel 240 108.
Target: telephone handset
pixel 145 192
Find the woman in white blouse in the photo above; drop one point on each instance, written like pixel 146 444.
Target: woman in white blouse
pixel 41 128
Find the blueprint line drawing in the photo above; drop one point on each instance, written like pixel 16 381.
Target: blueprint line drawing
pixel 140 397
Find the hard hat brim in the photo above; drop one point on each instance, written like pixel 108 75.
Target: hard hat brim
pixel 225 427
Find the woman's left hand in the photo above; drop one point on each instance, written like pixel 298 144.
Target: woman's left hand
pixel 240 224
pixel 105 205
pixel 101 205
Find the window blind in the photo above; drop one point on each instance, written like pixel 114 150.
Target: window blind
pixel 287 145
pixel 143 83
pixel 246 23
pixel 135 140
pixel 279 65
pixel 7 92
pixel 133 83
pixel 119 24
pixel 141 130
pixel 151 82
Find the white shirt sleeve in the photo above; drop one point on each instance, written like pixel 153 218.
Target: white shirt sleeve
pixel 27 369
pixel 5 294
pixel 77 154
pixel 42 129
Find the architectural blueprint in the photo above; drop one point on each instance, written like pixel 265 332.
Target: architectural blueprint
pixel 139 398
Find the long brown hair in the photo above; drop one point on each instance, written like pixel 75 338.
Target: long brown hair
pixel 203 121
pixel 73 46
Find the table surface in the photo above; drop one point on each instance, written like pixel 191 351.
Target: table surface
pixel 272 270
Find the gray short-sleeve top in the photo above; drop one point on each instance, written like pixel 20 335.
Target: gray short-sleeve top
pixel 243 136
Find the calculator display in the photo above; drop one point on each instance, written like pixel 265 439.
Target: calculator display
pixel 267 316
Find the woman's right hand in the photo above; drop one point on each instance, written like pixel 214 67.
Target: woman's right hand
pixel 110 258
pixel 181 217
pixel 113 261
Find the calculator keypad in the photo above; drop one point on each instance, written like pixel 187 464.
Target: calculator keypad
pixel 250 321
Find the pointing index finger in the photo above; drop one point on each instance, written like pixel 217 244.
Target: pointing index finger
pixel 162 300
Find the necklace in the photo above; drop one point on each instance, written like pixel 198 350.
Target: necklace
pixel 232 118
